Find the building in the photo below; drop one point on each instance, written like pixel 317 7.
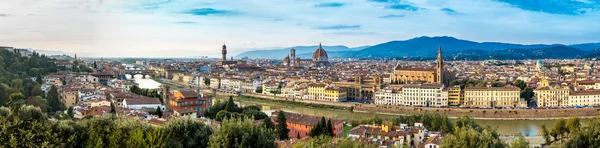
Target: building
pixel 388 96
pixel 300 124
pixel 224 60
pixel 423 95
pixel 186 102
pixel 69 97
pixel 492 97
pixel 552 96
pixel 362 88
pixel 142 102
pixel 320 57
pixel 584 98
pixel 456 96
pixel 408 75
pixel 398 135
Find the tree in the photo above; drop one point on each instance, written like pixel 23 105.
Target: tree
pixel 230 106
pixel 572 125
pixel 70 112
pixel 53 99
pixel 238 133
pixel 159 112
pixel 469 137
pixel 559 129
pixel 36 91
pixel 527 93
pixel 4 97
pixel 187 133
pixel 330 128
pixel 521 84
pixel 16 100
pixel 39 78
pixel 268 123
pixel 281 127
pixel 520 142
pixel 546 135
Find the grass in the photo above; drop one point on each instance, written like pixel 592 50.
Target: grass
pixel 346 129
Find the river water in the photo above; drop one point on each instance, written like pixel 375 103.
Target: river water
pixel 527 128
pixel 145 83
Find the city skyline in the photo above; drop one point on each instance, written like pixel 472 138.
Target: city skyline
pixel 116 28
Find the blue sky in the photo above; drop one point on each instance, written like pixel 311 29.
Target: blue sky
pixel 199 27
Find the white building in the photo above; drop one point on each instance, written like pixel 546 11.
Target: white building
pixel 584 98
pixel 142 102
pixel 423 95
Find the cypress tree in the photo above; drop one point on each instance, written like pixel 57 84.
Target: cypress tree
pixel 330 128
pixel 281 127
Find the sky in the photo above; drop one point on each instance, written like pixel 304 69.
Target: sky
pixel 194 28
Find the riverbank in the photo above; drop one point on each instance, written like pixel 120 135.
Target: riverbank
pixel 480 114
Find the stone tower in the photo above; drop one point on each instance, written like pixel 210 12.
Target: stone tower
pixel 224 53
pixel 293 57
pixel 440 67
pixel 166 92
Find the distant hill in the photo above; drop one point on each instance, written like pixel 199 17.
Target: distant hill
pixel 301 51
pixel 427 47
pixel 554 52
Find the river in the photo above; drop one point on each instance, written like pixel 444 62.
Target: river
pixel 527 128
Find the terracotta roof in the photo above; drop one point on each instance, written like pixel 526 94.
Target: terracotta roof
pixel 188 93
pixel 415 69
pixel 142 100
pixel 585 92
pixel 320 53
pixel 494 88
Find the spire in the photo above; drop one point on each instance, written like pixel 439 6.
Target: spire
pixel 440 49
pixel 320 45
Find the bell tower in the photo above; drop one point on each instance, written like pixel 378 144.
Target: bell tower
pixel 440 66
pixel 224 53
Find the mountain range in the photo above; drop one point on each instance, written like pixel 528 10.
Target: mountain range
pixel 426 47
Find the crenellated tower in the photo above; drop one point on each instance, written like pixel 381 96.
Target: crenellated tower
pixel 224 53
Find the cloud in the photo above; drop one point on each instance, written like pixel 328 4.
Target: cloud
pixel 353 33
pixel 329 4
pixel 277 19
pixel 185 22
pixel 392 16
pixel 398 5
pixel 449 11
pixel 155 4
pixel 338 27
pixel 565 7
pixel 4 15
pixel 402 7
pixel 210 11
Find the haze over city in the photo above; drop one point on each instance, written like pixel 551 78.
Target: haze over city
pixel 179 28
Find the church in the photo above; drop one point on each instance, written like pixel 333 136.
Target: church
pixel 409 75
pixel 319 59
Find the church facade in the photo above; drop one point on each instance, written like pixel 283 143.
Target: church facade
pixel 409 75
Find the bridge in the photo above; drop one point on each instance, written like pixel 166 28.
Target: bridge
pixel 135 71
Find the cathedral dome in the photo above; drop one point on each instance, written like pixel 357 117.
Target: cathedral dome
pixel 320 54
pixel 286 59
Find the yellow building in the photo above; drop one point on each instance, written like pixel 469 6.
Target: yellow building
pixel 316 91
pixel 492 97
pixel 362 88
pixel 456 96
pixel 552 96
pixel 335 94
